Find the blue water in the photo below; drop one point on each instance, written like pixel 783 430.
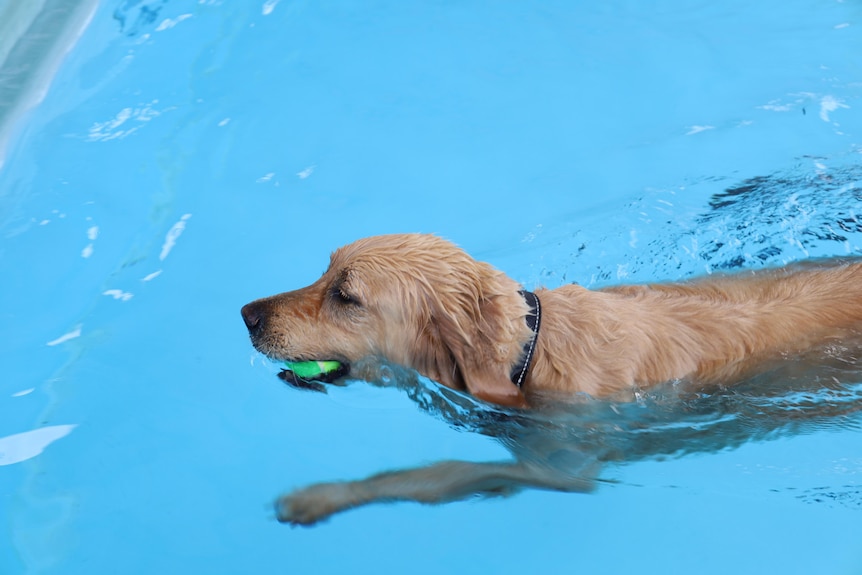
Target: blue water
pixel 191 156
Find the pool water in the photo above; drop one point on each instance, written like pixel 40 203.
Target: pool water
pixel 174 159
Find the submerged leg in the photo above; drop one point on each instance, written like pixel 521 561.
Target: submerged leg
pixel 439 483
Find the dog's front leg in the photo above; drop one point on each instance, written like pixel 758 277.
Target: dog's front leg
pixel 438 483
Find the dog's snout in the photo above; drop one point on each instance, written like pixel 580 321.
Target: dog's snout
pixel 252 315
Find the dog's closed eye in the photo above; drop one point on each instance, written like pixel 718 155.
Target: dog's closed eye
pixel 341 295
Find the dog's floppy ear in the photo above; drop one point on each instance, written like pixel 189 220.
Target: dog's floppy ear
pixel 468 330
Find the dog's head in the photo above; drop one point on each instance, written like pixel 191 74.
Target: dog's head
pixel 416 300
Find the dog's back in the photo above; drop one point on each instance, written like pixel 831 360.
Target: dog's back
pixel 713 329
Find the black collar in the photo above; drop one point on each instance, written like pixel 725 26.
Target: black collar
pixel 534 320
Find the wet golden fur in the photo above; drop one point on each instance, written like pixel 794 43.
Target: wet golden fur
pixel 419 301
pixel 422 303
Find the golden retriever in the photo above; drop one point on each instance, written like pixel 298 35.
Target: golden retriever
pixel 420 302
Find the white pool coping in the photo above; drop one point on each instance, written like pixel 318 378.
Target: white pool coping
pixel 35 37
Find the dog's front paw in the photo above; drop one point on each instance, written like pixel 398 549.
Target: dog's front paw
pixel 312 504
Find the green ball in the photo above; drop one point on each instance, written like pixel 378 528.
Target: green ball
pixel 312 369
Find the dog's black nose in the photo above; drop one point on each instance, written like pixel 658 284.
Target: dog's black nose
pixel 252 315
